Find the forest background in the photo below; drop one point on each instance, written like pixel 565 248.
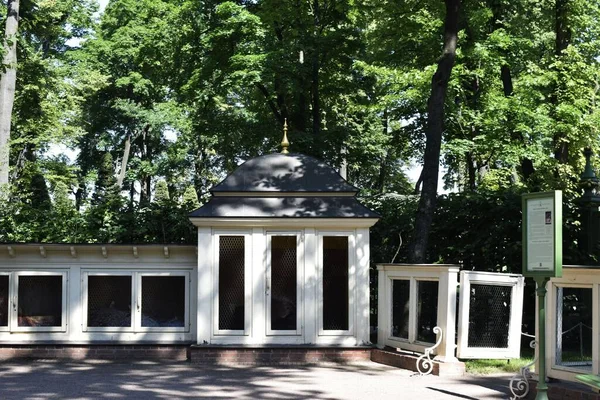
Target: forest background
pixel 159 99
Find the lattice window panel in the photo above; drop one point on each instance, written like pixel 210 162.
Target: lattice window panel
pixel 109 301
pixel 284 281
pixel 163 301
pixel 490 315
pixel 491 309
pixel 231 282
pixel 4 280
pixel 335 283
pixel 40 301
pixel 574 334
pixel 427 307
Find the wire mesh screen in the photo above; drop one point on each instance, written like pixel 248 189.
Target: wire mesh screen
pixel 427 306
pixel 109 301
pixel 574 327
pixel 163 301
pixel 283 283
pixel 335 283
pixel 4 300
pixel 400 308
pixel 489 316
pixel 231 282
pixel 40 300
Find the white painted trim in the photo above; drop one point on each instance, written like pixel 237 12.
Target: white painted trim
pixel 446 276
pixel 247 235
pixel 310 286
pixel 285 223
pixel 516 283
pixel 362 299
pixel 204 292
pixel 138 308
pixel 14 326
pixel 352 272
pixel 299 284
pixel 85 274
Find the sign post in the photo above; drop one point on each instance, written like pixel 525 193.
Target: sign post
pixel 542 260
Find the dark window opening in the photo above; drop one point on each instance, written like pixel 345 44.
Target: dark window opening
pixel 283 283
pixel 4 300
pixel 427 307
pixel 163 301
pixel 400 308
pixel 231 282
pixel 40 301
pixel 335 283
pixel 109 301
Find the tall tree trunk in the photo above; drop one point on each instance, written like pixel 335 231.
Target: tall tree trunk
pixel 563 39
pixel 7 85
pixel 435 127
pixel 316 101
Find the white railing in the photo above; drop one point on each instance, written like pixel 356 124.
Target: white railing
pixel 401 312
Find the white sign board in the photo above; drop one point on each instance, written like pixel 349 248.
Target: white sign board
pixel 540 239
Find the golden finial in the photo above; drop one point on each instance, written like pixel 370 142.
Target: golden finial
pixel 284 143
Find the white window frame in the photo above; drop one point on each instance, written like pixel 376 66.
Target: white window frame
pixel 247 235
pixel 414 316
pixel 84 300
pixel 391 310
pixel 299 279
pixel 14 318
pixel 410 343
pixel 9 302
pixel 138 302
pixel 553 312
pixel 516 283
pixel 351 282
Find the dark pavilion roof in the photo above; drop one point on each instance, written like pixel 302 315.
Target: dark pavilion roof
pixel 284 173
pixel 284 186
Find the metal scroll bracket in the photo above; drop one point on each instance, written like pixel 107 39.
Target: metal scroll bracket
pixel 424 362
pixel 519 384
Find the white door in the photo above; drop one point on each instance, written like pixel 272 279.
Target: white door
pixel 285 260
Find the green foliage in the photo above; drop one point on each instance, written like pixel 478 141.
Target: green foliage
pixel 197 87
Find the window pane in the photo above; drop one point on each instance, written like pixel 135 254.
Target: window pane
pixel 40 300
pixel 163 301
pixel 109 301
pixel 574 328
pixel 400 308
pixel 3 300
pixel 335 283
pixel 489 316
pixel 283 283
pixel 231 282
pixel 427 306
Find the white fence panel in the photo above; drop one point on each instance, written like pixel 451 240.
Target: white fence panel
pixel 490 314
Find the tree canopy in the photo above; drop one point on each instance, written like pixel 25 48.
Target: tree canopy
pixel 124 118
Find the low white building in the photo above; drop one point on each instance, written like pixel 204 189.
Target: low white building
pixel 282 258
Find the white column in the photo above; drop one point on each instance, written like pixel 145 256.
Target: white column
pixel 447 315
pixel 383 312
pixel 311 316
pixel 74 307
pixel 362 286
pixel 258 307
pixel 205 287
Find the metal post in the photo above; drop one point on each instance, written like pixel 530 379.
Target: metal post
pixel 542 387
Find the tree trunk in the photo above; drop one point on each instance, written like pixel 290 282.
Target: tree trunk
pixel 563 39
pixel 435 127
pixel 316 101
pixel 7 85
